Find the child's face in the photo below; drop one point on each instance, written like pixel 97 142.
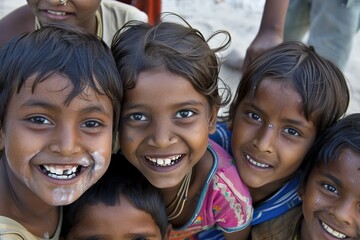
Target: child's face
pixel 164 127
pixel 122 221
pixel 76 12
pixel 53 150
pixel 270 135
pixel 331 200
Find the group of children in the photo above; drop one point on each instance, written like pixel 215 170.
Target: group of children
pixel 284 164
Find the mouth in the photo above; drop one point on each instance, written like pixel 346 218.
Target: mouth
pixel 61 172
pixel 164 162
pixel 57 13
pixel 256 163
pixel 333 232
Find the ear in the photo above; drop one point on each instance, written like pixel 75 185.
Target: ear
pixel 1 139
pixel 230 125
pixel 167 234
pixel 213 119
pixel 301 191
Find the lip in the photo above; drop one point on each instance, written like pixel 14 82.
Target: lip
pixel 55 15
pixel 255 163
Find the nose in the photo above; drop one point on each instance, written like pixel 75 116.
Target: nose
pixel 161 134
pixel 265 138
pixel 345 212
pixel 65 141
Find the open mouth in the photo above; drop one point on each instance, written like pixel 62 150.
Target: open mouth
pixel 332 232
pixel 164 162
pixel 255 163
pixel 61 172
pixel 57 13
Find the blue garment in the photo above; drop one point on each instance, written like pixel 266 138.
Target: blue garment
pixel 281 202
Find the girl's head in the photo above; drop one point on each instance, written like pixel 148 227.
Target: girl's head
pixel 330 180
pixel 179 49
pixel 286 97
pixel 320 84
pixel 171 99
pixel 121 205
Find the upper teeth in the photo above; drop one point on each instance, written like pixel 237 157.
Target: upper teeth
pixel 164 161
pixel 262 165
pixel 332 231
pixel 56 13
pixel 61 173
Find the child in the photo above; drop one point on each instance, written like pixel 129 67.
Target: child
pixel 285 99
pixel 171 102
pixel 330 187
pixel 121 205
pixel 60 101
pixel 99 17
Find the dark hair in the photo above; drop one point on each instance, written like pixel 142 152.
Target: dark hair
pixel 121 179
pixel 180 49
pixel 345 134
pixel 82 57
pixel 321 85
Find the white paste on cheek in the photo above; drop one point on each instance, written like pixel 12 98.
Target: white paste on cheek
pixel 63 196
pixel 99 160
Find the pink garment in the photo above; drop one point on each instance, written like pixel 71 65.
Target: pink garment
pixel 225 200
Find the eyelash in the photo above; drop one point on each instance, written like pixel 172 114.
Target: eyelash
pixel 289 131
pixel 330 188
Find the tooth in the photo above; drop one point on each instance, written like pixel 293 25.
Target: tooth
pixel 332 231
pixel 167 161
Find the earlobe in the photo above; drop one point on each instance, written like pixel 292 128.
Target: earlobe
pixel 213 120
pixel 168 231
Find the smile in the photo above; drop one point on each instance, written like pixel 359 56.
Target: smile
pixel 164 162
pixel 62 173
pixel 57 13
pixel 332 232
pixel 255 163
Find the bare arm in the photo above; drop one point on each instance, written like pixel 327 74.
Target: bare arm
pixel 241 235
pixel 20 20
pixel 271 31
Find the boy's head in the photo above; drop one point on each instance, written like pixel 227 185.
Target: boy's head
pixel 180 49
pixel 286 97
pixel 60 96
pixel 330 180
pixel 121 205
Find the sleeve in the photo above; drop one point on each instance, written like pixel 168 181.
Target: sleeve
pixel 231 206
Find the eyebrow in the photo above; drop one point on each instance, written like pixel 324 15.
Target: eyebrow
pixel 46 105
pixel 187 103
pixel 334 179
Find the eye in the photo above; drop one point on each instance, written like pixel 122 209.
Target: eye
pixel 91 124
pixel 292 131
pixel 254 116
pixel 138 117
pixel 39 120
pixel 330 188
pixel 184 114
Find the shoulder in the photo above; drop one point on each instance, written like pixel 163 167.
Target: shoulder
pixel 11 229
pixel 21 20
pixel 122 11
pixel 281 227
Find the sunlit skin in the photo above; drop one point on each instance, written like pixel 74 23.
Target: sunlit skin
pixel 331 200
pixel 80 13
pixel 119 222
pixel 42 134
pixel 164 117
pixel 270 137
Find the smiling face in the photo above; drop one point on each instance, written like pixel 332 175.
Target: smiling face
pixel 270 136
pixel 53 150
pixel 331 200
pixel 80 13
pixel 164 126
pixel 102 222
